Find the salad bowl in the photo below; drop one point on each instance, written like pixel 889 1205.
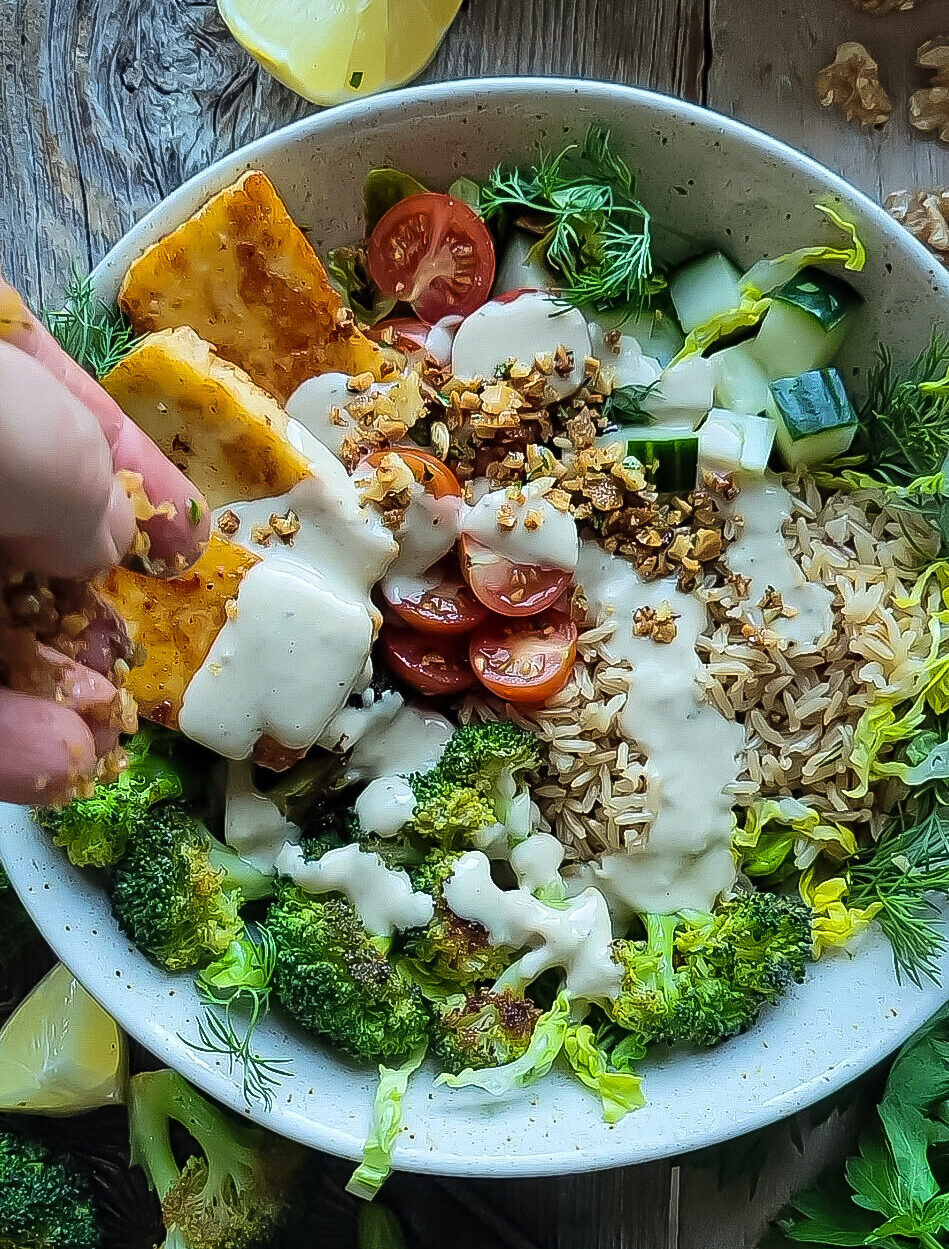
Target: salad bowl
pixel 710 182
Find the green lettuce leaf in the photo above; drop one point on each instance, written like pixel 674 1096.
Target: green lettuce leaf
pixel 768 275
pixel 376 1163
pixel 779 830
pixel 383 189
pixel 619 1091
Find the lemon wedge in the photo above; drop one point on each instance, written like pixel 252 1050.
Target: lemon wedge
pixel 331 51
pixel 60 1053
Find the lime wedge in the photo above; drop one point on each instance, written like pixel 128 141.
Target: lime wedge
pixel 330 51
pixel 60 1053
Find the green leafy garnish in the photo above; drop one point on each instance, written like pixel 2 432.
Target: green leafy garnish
pixel 624 406
pixel 618 1091
pixel 347 268
pixel 594 231
pixel 376 1163
pixel 96 335
pixel 383 189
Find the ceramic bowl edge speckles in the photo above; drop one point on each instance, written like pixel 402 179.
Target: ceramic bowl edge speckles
pixel 709 182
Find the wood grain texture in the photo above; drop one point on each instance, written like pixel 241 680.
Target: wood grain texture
pixel 107 105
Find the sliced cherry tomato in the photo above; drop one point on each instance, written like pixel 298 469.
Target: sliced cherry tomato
pixel 507 588
pixel 430 472
pixel 434 665
pixel 435 253
pixel 404 333
pixel 525 661
pixel 448 606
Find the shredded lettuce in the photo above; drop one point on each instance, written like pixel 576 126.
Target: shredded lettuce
pixel 746 316
pixel 376 1163
pixel 835 924
pixel 776 828
pixel 550 1032
pixel 768 275
pixel 619 1091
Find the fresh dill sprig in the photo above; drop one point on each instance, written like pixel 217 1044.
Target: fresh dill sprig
pixel 96 336
pixel 625 405
pixel 236 995
pixel 594 231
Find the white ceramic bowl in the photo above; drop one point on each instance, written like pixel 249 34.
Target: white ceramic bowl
pixel 709 182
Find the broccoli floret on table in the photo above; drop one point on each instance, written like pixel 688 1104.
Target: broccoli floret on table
pixel 178 892
pixel 484 1030
pixel 237 1192
pixel 94 831
pixel 335 979
pixel 46 1200
pixel 699 978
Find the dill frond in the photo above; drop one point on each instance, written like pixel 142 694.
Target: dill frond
pixel 96 336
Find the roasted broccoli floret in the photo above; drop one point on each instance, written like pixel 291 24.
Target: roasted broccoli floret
pixel 331 828
pixel 336 980
pixel 484 1030
pixel 94 831
pixel 178 891
pixel 494 757
pixel 458 951
pixel 447 812
pixel 45 1198
pixel 699 978
pixel 236 1193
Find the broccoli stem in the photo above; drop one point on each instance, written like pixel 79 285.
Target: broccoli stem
pixel 150 1095
pixel 660 938
pixel 239 874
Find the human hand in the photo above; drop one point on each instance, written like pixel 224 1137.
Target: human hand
pixel 65 514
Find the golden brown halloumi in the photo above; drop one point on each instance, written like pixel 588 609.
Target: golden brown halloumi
pixel 242 274
pixel 173 623
pixel 226 434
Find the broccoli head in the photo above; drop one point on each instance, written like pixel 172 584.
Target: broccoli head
pixel 45 1199
pixel 334 978
pixel 700 978
pixel 237 1192
pixel 447 812
pixel 455 950
pixel 94 831
pixel 328 829
pixel 178 892
pixel 483 1030
pixel 494 757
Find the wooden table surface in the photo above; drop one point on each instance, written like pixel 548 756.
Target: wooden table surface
pixel 107 105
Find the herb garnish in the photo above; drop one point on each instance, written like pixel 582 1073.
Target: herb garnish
pixel 96 335
pixel 625 405
pixel 593 229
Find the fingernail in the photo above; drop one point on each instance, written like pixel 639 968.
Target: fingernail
pixel 120 519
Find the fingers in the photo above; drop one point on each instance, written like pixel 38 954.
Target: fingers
pixel 173 539
pixel 58 496
pixel 45 749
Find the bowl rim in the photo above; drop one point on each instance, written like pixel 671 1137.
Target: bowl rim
pixel 662 106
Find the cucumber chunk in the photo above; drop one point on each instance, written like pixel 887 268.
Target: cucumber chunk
pixel 729 441
pixel 806 325
pixel 669 456
pixel 657 332
pixel 683 394
pixel 815 419
pixel 703 288
pixel 828 298
pixel 741 384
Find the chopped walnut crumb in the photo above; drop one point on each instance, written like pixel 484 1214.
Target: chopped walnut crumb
pixel 926 215
pixel 337 418
pixel 231 609
pixel 563 361
pixel 345 321
pixel 762 637
pixel 658 623
pixel 581 429
pixel 721 484
pixel 228 523
pixel 852 81
pixel 261 535
pixel 929 107
pixel 533 519
pixel 741 585
pixel 360 383
pixel 286 527
pixel 506 518
pixel 544 363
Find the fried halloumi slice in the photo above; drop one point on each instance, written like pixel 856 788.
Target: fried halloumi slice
pixel 172 623
pixel 226 434
pixel 242 274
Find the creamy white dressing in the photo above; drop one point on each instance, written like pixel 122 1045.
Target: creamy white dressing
pixel 428 532
pixel 525 529
pixel 440 337
pixel 384 899
pixel 411 741
pixel 536 862
pixel 691 750
pixel 298 641
pixel 385 805
pixel 253 825
pixel 622 360
pixel 761 553
pixel 684 394
pixel 319 405
pixel 574 937
pixel 519 329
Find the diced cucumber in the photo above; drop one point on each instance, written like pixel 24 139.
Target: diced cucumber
pixel 669 456
pixel 684 393
pixel 741 384
pixel 518 270
pixel 815 418
pixel 704 288
pixel 729 441
pixel 806 325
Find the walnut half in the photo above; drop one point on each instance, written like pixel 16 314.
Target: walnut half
pixel 929 107
pixel 926 215
pixel 852 81
pixel 881 7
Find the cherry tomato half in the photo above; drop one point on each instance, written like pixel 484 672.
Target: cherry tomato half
pixel 507 588
pixel 448 606
pixel 435 253
pixel 525 661
pixel 429 471
pixel 434 665
pixel 406 334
